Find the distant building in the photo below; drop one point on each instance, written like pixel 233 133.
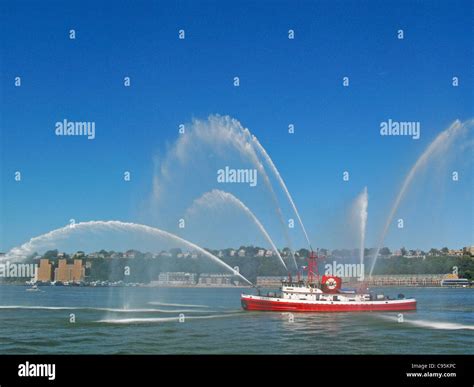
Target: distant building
pixel 269 253
pixel 215 279
pixel 65 272
pixel 455 253
pixel 232 252
pixel 269 281
pixel 175 279
pixel 241 253
pixel 414 254
pixel 45 271
pixel 469 250
pixel 130 254
pixel 260 253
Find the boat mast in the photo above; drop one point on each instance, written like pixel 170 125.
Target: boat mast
pixel 313 272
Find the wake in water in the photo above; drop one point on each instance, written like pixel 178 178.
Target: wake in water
pixel 117 310
pixel 443 325
pixel 181 305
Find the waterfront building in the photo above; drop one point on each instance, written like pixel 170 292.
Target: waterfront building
pixel 45 271
pixel 176 279
pixel 65 272
pixel 215 279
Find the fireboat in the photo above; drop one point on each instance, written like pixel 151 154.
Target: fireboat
pixel 325 295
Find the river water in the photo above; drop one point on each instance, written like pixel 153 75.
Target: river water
pixel 75 320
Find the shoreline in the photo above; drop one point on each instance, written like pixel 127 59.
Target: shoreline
pixel 170 286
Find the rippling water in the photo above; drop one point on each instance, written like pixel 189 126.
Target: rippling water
pixel 147 320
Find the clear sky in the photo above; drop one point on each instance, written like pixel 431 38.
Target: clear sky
pixel 282 81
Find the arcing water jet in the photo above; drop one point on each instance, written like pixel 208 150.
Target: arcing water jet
pixel 282 184
pixel 32 245
pixel 219 132
pixel 209 199
pixel 439 146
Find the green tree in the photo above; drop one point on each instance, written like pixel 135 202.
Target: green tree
pixel 51 254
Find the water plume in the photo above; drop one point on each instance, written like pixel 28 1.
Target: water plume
pixel 219 133
pixel 436 149
pixel 359 212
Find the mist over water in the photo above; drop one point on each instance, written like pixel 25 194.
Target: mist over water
pixel 218 197
pixel 436 150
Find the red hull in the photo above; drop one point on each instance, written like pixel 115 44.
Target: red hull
pixel 283 306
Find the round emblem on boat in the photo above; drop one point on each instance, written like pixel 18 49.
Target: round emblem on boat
pixel 331 283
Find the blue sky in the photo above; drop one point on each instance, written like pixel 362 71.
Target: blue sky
pixel 282 81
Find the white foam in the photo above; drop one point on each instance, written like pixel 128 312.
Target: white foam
pixel 430 323
pixel 163 319
pixel 439 324
pixel 185 305
pixel 118 310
